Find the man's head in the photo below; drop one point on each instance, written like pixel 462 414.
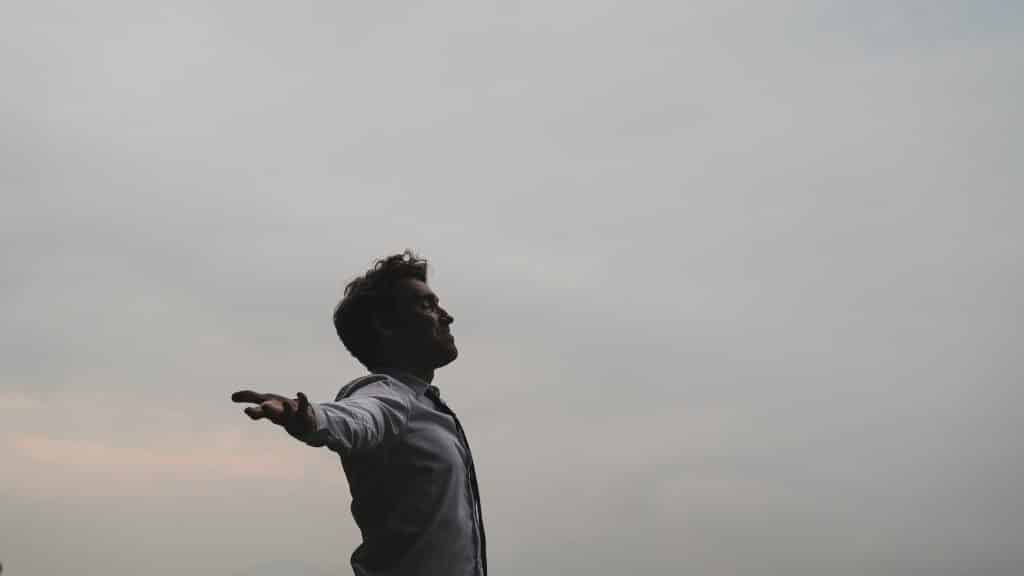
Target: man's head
pixel 389 317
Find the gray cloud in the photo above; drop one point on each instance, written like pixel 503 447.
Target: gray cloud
pixel 736 288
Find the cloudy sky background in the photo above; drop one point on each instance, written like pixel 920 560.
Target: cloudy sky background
pixel 736 285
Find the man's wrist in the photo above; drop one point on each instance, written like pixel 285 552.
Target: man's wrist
pixel 306 425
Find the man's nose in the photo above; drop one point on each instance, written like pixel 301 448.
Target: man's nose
pixel 446 317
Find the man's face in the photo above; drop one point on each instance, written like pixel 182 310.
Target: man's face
pixel 423 337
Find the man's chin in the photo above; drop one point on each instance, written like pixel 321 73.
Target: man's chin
pixel 449 356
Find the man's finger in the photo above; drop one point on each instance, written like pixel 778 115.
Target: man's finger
pixel 249 396
pixel 254 412
pixel 272 409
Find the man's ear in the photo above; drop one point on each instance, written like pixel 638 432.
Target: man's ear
pixel 383 332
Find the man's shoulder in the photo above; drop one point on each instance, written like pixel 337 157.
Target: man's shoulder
pixel 374 384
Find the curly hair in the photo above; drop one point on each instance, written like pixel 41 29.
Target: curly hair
pixel 373 295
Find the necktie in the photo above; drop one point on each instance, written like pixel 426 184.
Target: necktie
pixel 435 394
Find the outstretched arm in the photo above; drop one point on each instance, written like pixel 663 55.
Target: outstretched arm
pixel 373 417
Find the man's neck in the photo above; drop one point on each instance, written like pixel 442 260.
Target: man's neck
pixel 425 374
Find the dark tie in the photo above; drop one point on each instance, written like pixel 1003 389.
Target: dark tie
pixel 435 394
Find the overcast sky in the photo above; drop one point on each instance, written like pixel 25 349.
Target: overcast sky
pixel 737 286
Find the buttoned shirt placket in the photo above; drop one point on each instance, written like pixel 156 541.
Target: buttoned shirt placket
pixel 434 394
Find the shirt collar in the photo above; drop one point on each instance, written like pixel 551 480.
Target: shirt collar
pixel 411 380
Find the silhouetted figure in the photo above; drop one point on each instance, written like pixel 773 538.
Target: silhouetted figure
pixel 410 471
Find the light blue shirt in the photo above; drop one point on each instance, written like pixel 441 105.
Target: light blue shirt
pixel 411 476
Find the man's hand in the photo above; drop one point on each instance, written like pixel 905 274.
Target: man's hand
pixel 295 416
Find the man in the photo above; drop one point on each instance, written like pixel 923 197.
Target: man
pixel 410 472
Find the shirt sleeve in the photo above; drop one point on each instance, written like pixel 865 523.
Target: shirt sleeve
pixel 372 417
